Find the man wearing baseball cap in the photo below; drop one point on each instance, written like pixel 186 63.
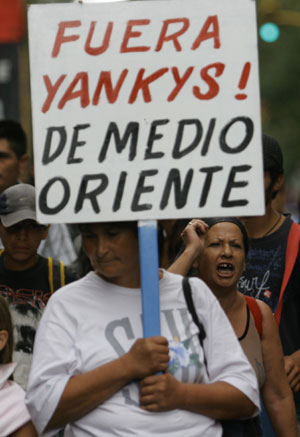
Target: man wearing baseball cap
pixel 26 278
pixel 20 232
pixel 268 257
pixel 13 168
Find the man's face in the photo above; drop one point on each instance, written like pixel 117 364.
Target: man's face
pixel 10 165
pixel 21 242
pixel 271 186
pixel 268 187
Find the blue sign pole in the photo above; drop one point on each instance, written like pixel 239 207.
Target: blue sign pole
pixel 148 249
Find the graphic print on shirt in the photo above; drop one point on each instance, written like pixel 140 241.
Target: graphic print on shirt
pixel 263 274
pixel 186 356
pixel 26 307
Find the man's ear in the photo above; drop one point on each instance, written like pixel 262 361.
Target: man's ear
pixel 3 339
pixel 279 183
pixel 23 163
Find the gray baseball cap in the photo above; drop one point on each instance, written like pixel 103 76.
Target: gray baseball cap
pixel 17 203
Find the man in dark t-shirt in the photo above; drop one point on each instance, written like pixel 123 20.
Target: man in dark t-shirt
pixel 266 263
pixel 27 280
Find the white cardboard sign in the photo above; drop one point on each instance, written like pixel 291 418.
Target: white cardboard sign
pixel 145 110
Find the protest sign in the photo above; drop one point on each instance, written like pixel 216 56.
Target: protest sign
pixel 145 110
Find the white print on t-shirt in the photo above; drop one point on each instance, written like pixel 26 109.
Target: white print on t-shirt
pixel 185 362
pixel 253 286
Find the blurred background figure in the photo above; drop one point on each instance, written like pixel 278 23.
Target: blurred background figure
pixel 272 272
pixel 14 169
pixel 13 153
pixel 27 279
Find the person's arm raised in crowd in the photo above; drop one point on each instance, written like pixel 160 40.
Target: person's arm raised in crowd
pixel 276 393
pixel 218 400
pixel 85 392
pixel 193 238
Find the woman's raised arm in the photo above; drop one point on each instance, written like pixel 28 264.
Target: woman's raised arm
pixel 193 238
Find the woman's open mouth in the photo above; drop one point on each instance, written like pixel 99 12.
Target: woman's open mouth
pixel 225 269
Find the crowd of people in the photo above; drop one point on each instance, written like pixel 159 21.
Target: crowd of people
pixel 73 360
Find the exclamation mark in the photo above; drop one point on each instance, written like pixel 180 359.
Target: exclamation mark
pixel 243 81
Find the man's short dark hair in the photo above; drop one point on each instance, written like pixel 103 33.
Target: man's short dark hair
pixel 273 161
pixel 13 132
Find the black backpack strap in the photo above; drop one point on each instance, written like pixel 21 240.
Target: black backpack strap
pixel 191 307
pixel 230 427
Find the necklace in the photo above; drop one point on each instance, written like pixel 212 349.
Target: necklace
pixel 273 226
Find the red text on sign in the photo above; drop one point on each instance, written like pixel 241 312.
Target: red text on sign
pixel 209 30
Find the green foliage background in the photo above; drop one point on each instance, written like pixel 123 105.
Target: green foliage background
pixel 280 87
